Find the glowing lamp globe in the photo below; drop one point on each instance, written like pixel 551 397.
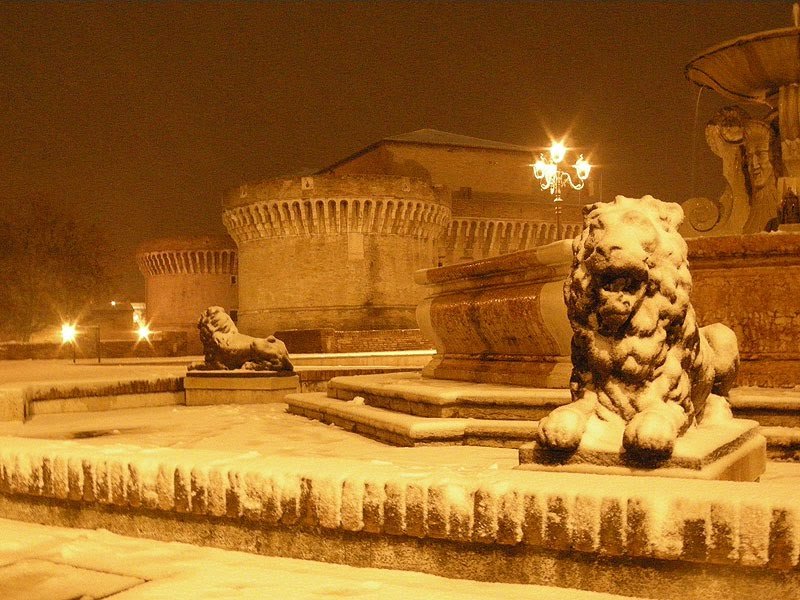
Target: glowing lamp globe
pixel 68 333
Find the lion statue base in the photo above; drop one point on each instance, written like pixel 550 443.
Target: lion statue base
pixel 227 349
pixel 640 362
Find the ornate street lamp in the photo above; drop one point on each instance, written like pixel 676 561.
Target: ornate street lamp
pixel 547 171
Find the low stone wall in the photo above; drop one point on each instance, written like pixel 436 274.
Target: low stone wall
pixel 624 535
pixel 21 403
pixel 173 343
pixel 751 283
pixel 501 319
pixel 307 341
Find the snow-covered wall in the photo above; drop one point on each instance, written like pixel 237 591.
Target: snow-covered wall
pixel 641 536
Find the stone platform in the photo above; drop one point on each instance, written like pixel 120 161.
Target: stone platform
pixel 406 409
pixel 732 451
pixel 238 387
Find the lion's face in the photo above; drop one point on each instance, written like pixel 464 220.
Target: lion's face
pixel 619 295
pixel 216 319
pixel 630 265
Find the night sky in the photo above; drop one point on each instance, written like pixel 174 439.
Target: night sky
pixel 139 116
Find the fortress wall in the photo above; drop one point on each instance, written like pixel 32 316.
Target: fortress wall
pixel 184 276
pixel 337 252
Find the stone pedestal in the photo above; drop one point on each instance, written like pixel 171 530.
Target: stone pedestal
pixel 238 387
pixel 732 451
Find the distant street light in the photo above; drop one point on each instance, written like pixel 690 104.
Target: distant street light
pixel 68 334
pixel 143 332
pixel 551 177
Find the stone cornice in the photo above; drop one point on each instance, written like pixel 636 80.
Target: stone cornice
pixel 187 262
pixel 416 216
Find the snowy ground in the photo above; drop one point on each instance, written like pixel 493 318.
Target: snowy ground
pixel 54 563
pixel 18 373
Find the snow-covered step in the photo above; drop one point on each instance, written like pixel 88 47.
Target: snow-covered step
pixel 413 394
pixel 401 429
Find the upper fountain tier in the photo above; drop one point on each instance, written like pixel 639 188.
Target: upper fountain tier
pixel 750 68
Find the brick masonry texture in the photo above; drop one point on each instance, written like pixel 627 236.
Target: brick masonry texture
pixel 184 276
pixel 331 252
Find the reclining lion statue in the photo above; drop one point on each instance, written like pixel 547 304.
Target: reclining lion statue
pixel 640 361
pixel 227 349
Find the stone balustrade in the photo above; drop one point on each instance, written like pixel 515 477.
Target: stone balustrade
pixel 473 238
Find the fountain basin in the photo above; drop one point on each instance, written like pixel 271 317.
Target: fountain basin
pixel 751 68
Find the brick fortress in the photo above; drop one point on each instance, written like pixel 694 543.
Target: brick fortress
pixel 328 260
pixel 183 276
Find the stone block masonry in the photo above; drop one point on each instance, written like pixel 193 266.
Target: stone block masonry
pixel 184 276
pixel 642 537
pixel 333 252
pixel 751 283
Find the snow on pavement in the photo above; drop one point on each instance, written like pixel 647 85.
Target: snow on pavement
pixel 181 571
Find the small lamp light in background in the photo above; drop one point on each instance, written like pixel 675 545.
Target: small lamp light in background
pixel 68 334
pixel 143 332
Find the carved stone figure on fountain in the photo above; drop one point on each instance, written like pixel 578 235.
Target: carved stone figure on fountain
pixel 790 209
pixel 724 136
pixel 762 151
pixel 641 364
pixel 751 163
pixel 227 349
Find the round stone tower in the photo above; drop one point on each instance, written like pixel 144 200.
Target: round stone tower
pixel 184 276
pixel 332 251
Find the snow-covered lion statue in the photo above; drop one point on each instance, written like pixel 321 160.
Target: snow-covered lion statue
pixel 226 349
pixel 639 358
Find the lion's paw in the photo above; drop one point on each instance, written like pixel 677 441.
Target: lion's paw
pixel 650 432
pixel 562 429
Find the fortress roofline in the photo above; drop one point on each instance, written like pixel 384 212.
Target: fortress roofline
pixel 432 137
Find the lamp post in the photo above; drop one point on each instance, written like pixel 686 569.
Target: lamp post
pixel 550 176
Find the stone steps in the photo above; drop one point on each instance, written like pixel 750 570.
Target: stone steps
pixel 401 429
pixel 406 409
pixel 412 394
